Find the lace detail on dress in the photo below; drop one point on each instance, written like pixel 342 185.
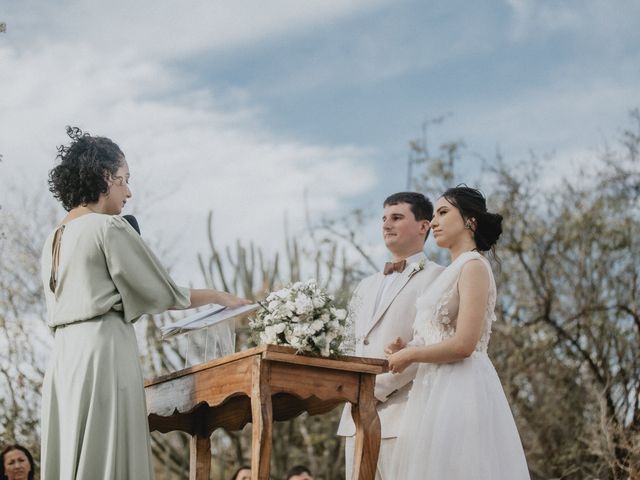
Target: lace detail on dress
pixel 443 315
pixel 442 308
pixel 437 313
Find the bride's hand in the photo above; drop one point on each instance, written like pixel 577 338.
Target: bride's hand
pixel 231 301
pixel 397 345
pixel 400 360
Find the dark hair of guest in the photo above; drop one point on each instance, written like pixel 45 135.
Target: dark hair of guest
pixel 237 472
pixel 85 166
pixel 297 470
pixel 10 448
pixel 486 226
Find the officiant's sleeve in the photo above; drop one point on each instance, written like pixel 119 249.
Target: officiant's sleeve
pixel 143 284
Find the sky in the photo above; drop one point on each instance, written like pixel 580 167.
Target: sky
pixel 248 107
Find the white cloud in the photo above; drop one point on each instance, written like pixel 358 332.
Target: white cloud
pixel 188 153
pixel 567 118
pixel 166 29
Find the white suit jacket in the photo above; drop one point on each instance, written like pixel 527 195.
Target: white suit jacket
pixel 393 318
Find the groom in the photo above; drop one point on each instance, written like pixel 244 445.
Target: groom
pixel 383 308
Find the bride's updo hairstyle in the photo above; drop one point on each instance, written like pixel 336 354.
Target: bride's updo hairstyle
pixel 85 166
pixel 472 205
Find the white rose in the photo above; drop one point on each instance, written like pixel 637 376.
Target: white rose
pixel 304 305
pixel 273 305
pixel 282 294
pixel 309 330
pixel 269 335
pixel 295 341
pixel 272 296
pixel 280 327
pixel 318 301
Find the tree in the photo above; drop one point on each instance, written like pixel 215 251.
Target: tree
pixel 568 333
pixel 24 341
pixel 570 282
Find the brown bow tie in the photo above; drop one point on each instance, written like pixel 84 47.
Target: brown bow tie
pixel 391 267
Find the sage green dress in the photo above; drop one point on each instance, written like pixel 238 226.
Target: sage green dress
pixel 99 277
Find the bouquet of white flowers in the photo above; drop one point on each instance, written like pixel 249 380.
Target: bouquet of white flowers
pixel 303 316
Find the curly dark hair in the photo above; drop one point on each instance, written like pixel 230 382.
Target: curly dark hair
pixel 23 450
pixel 85 165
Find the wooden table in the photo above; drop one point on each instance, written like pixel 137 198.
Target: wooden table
pixel 261 385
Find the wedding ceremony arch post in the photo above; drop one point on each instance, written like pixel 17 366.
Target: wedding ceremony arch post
pixel 259 386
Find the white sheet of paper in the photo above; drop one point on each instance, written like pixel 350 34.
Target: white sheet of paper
pixel 206 318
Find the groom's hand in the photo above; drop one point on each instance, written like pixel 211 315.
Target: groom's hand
pixel 397 345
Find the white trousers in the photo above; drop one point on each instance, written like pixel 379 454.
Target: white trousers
pixel 384 459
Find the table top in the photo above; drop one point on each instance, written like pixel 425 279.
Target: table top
pixel 278 353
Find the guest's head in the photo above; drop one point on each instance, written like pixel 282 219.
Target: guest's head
pixel 461 216
pixel 299 472
pixel 92 171
pixel 17 463
pixel 405 222
pixel 243 473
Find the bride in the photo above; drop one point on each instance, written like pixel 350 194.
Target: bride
pixel 457 424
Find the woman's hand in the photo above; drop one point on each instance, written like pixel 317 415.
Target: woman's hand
pixel 231 301
pixel 206 296
pixel 400 360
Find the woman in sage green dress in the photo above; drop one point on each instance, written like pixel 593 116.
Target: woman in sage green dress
pixel 99 277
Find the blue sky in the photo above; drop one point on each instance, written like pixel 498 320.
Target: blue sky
pixel 242 106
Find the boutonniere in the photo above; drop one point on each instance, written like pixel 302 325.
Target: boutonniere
pixel 415 267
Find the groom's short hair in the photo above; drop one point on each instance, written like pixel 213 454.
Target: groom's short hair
pixel 420 205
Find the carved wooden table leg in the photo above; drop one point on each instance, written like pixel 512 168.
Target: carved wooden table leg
pixel 199 458
pixel 367 441
pixel 262 421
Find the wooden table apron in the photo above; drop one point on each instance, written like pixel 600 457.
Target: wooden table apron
pixel 259 386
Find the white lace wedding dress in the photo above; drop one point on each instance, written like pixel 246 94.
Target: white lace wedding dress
pixel 457 424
